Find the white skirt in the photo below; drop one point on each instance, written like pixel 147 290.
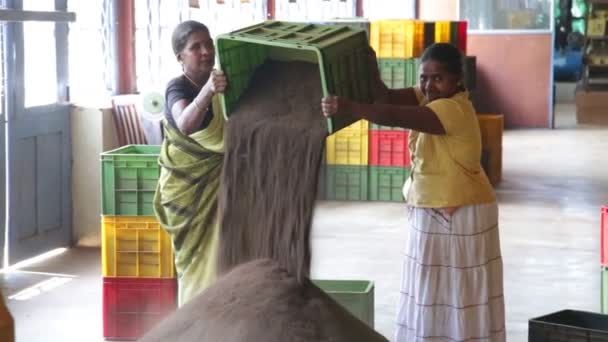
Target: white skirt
pixel 451 283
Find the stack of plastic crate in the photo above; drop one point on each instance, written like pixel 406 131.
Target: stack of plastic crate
pixel 346 163
pixel 139 285
pixel 398 44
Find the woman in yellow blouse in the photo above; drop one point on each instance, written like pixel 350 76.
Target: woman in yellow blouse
pixel 452 286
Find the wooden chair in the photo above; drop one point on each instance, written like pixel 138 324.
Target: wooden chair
pixel 127 121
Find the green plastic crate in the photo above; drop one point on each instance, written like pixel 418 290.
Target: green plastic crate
pixel 604 294
pixel 357 296
pixel 346 182
pixel 321 183
pixel 385 128
pixel 398 73
pixel 359 23
pixel 454 33
pixel 129 176
pixel 470 72
pixel 340 51
pixel 386 183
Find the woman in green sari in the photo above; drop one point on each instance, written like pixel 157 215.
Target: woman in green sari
pixel 191 160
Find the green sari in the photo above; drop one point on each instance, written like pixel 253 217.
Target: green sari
pixel 186 201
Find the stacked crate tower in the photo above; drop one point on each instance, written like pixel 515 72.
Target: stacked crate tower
pixel 139 285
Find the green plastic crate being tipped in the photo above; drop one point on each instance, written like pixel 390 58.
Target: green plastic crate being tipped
pixel 340 51
pixel 129 176
pixel 359 23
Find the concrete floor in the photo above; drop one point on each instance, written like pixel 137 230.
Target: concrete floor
pixel 554 182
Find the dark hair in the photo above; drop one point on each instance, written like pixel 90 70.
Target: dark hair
pixel 446 54
pixel 180 35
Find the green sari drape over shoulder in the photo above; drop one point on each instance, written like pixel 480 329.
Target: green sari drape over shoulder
pixel 186 201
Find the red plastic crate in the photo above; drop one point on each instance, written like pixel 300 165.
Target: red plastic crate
pixel 388 148
pixel 604 236
pixel 462 37
pixel 133 306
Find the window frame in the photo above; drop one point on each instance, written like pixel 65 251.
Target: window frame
pixel 550 30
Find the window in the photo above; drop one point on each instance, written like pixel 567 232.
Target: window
pixel 89 53
pixel 40 77
pixel 2 66
pixel 155 62
pixel 38 5
pixel 230 14
pixel 507 14
pixel 313 10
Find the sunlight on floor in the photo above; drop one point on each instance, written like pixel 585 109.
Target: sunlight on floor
pixel 32 261
pixel 41 287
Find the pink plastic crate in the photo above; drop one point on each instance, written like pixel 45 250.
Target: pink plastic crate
pixel 133 306
pixel 604 236
pixel 388 148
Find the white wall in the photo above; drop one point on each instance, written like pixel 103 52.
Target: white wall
pixel 311 10
pixel 92 133
pixel 389 9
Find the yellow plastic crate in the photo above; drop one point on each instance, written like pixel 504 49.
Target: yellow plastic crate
pixel 397 38
pixel 361 125
pixel 442 32
pixel 596 27
pixel 135 246
pixel 348 146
